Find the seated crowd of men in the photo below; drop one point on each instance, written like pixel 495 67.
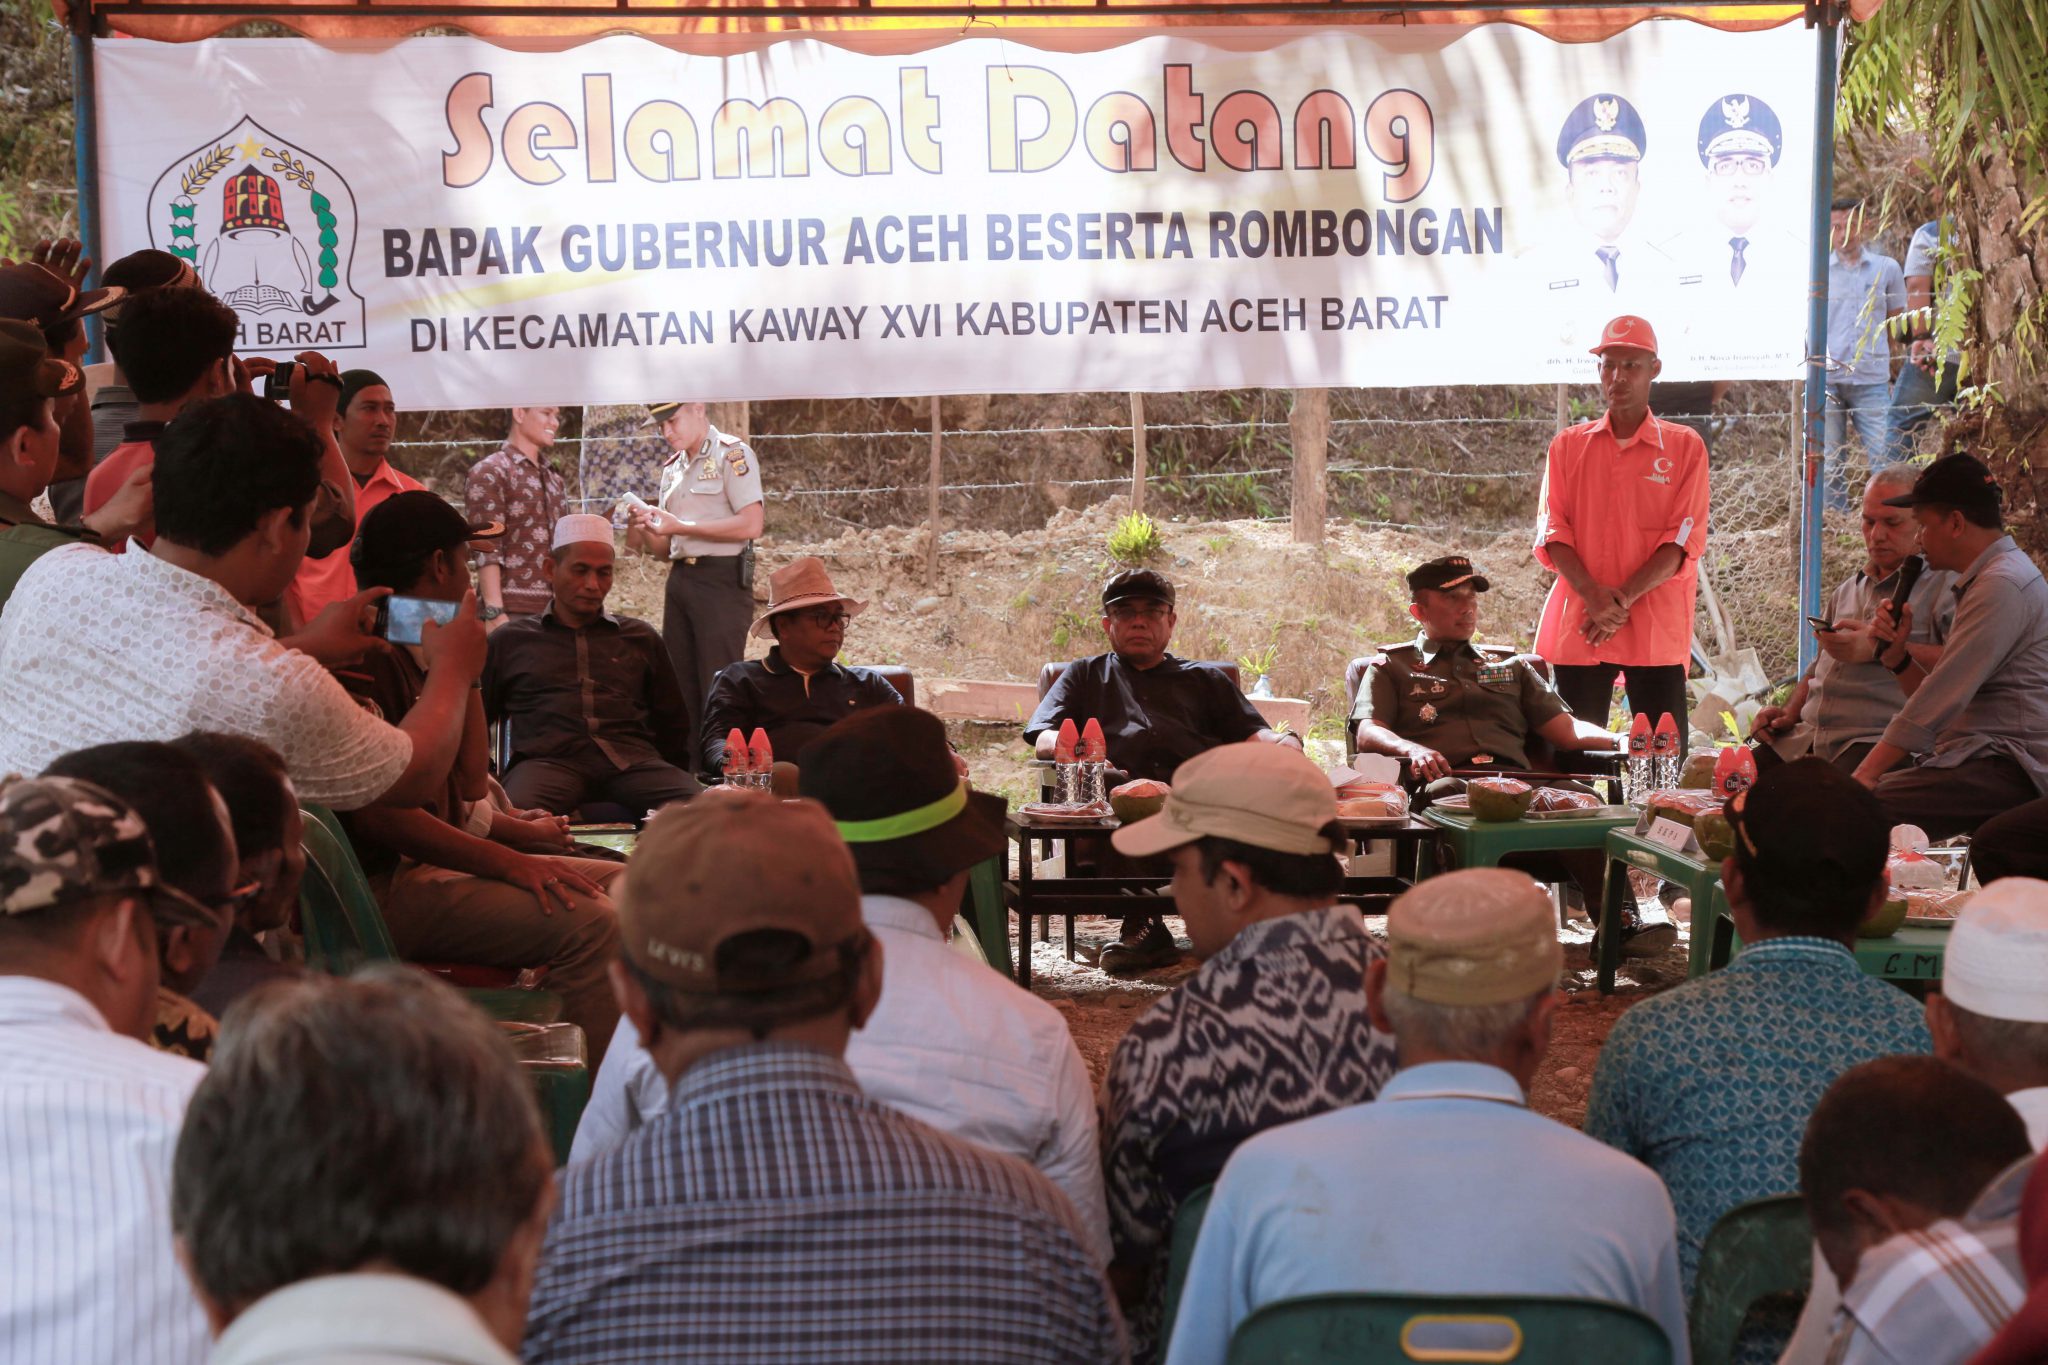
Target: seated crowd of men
pixel 824 1133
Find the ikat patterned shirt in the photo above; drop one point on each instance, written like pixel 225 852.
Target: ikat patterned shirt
pixel 527 497
pixel 776 1214
pixel 1270 1030
pixel 1710 1084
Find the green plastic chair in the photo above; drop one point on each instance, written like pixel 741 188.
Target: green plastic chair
pixel 1187 1226
pixel 1757 1251
pixel 987 913
pixel 1363 1329
pixel 344 927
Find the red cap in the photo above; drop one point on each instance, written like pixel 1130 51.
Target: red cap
pixel 1627 331
pixel 736 756
pixel 764 755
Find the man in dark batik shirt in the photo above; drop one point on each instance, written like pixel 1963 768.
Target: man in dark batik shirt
pixel 1156 712
pixel 1274 1026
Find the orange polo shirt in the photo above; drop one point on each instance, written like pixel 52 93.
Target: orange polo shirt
pixel 1616 503
pixel 331 578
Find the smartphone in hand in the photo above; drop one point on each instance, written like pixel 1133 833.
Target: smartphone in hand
pixel 1820 625
pixel 402 620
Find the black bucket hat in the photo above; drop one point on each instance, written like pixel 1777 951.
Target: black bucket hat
pixel 886 774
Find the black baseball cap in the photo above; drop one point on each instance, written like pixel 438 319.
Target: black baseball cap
pixel 1960 481
pixel 1450 571
pixel 1133 584
pixel 1809 827
pixel 38 294
pixel 354 382
pixel 28 370
pixel 410 526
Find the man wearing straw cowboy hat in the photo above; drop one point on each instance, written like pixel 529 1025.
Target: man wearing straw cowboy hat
pixel 798 691
pixel 705 521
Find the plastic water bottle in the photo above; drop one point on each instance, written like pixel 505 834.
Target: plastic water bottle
pixel 738 767
pixel 1094 756
pixel 1066 771
pixel 1664 752
pixel 762 760
pixel 1734 770
pixel 1639 771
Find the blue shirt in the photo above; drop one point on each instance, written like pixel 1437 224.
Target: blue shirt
pixel 1445 1184
pixel 1711 1083
pixel 1859 298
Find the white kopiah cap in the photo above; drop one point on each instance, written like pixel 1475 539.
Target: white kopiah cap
pixel 580 527
pixel 1997 963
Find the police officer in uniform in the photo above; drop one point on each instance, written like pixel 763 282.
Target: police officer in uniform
pixel 705 522
pixel 1444 702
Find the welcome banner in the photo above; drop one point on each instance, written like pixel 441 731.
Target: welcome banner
pixel 620 221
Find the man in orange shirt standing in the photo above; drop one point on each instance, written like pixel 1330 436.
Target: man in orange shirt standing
pixel 1622 522
pixel 365 421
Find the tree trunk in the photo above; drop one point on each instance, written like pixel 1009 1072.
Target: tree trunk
pixel 2011 434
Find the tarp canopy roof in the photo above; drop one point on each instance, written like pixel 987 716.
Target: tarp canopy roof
pixel 891 25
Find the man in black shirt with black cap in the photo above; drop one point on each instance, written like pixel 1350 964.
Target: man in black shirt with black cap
pixel 1156 712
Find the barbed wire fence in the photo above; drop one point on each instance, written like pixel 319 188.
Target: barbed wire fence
pixel 1421 462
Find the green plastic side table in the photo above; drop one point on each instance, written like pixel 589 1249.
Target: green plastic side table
pixel 1912 954
pixel 1700 877
pixel 1483 843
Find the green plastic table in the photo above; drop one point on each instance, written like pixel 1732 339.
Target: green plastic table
pixel 1483 843
pixel 1700 877
pixel 1912 954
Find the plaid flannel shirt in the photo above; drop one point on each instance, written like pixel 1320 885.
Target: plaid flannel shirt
pixel 777 1214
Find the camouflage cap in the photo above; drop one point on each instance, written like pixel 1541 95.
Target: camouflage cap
pixel 63 841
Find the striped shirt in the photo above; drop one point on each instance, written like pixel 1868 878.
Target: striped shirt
pixel 88 1121
pixel 776 1214
pixel 1934 1296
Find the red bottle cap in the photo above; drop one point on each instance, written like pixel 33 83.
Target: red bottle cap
pixel 1063 746
pixel 1093 747
pixel 764 755
pixel 736 756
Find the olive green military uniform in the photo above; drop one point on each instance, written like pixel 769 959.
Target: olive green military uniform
pixel 1475 704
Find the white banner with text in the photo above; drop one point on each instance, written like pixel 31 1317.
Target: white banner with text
pixel 622 222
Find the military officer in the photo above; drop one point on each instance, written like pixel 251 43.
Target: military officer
pixel 705 522
pixel 1592 265
pixel 1444 702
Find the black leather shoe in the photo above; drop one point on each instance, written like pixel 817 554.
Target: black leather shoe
pixel 1153 947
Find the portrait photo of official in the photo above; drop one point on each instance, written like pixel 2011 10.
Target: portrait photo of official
pixel 1592 261
pixel 1739 249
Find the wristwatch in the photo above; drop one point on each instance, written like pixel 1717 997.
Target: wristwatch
pixel 489 613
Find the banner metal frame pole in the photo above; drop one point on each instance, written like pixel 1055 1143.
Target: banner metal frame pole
pixel 85 155
pixel 1824 16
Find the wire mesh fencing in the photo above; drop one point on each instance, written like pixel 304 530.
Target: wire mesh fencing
pixel 1456 466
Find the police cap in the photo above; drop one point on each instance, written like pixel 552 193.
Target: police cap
pixel 1602 127
pixel 1740 125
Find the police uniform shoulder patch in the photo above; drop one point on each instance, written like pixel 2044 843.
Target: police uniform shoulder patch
pixel 737 456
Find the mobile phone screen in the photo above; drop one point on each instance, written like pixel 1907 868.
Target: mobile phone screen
pixel 404 617
pixel 1820 626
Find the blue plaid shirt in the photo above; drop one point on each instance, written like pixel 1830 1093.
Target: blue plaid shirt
pixel 1710 1084
pixel 775 1214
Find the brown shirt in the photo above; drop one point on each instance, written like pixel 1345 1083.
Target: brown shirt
pixel 527 497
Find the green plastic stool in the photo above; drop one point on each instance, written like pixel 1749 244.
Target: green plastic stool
pixel 1187 1227
pixel 1757 1250
pixel 1344 1329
